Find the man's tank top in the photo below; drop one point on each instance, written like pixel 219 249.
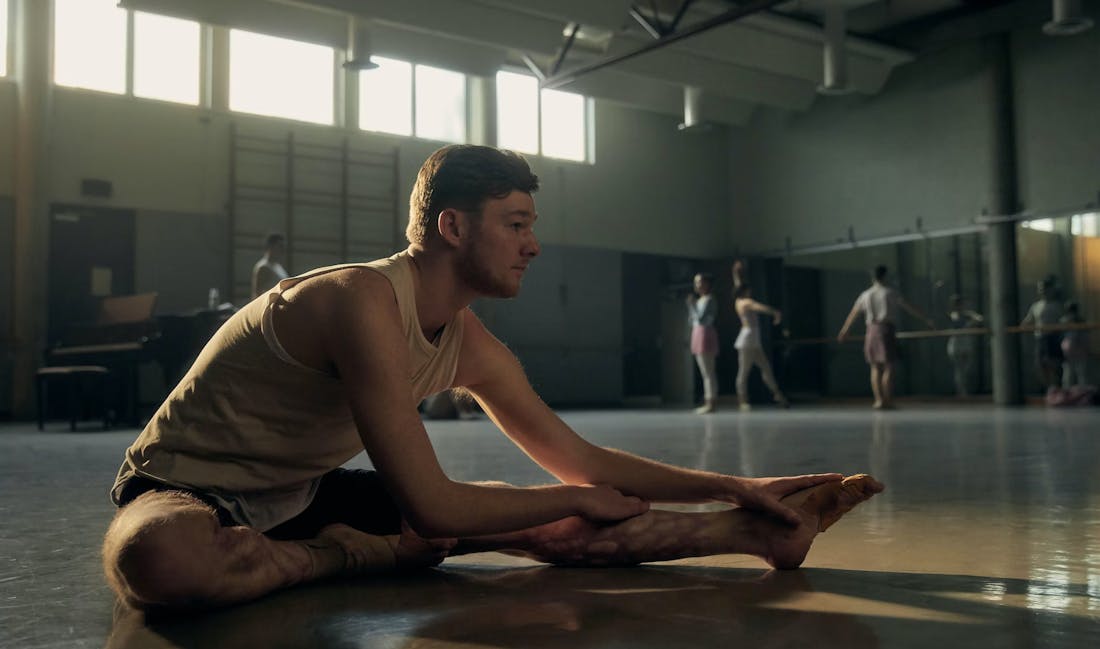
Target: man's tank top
pixel 254 428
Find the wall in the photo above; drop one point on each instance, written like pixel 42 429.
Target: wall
pixel 923 147
pixel 566 325
pixel 651 189
pixel 7 137
pixel 918 150
pixel 1058 125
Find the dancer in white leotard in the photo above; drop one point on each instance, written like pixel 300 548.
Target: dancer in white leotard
pixel 750 350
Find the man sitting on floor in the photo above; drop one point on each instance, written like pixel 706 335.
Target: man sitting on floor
pixel 234 489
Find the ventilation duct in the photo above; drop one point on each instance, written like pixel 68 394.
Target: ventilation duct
pixel 359 45
pixel 835 77
pixel 694 120
pixel 1068 19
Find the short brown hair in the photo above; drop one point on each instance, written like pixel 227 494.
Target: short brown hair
pixel 462 177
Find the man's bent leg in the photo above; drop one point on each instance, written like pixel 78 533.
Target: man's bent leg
pixel 663 535
pixel 169 549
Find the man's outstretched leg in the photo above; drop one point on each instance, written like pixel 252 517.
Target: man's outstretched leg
pixel 663 535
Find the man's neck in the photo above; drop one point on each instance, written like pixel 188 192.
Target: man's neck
pixel 439 293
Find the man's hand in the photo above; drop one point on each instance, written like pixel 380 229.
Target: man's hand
pixel 411 551
pixel 601 503
pixel 763 494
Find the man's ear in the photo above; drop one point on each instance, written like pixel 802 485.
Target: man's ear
pixel 452 226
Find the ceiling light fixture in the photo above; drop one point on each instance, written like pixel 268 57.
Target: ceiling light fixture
pixel 1068 19
pixel 359 45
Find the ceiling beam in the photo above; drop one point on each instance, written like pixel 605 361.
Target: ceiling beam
pixel 558 80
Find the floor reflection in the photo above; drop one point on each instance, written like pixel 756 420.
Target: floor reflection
pixel 988 536
pixel 517 608
pixel 655 606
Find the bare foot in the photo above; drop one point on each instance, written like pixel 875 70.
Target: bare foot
pixel 343 550
pixel 820 507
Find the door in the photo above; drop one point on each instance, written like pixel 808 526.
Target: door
pixel 91 256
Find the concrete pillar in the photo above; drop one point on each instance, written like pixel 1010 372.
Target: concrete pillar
pixel 31 231
pixel 1001 236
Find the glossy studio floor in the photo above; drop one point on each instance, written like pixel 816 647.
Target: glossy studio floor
pixel 988 536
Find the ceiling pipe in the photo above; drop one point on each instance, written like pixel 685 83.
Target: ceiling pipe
pixel 835 56
pixel 565 78
pixel 359 45
pixel 1068 19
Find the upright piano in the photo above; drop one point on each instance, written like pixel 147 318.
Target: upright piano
pixel 126 334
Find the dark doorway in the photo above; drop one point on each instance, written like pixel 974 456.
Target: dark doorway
pixel 91 257
pixel 800 368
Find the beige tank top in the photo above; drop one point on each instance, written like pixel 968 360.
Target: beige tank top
pixel 254 428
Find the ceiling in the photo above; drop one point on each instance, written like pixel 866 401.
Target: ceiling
pixel 769 59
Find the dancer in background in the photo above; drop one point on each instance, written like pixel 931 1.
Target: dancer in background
pixel 880 304
pixel 1045 312
pixel 962 348
pixel 750 349
pixel 704 338
pixel 1075 349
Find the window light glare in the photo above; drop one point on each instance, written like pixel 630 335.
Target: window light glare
pixel 280 77
pixel 385 97
pixel 518 112
pixel 166 58
pixel 563 118
pixel 90 45
pixel 440 104
pixel 3 38
pixel 1042 225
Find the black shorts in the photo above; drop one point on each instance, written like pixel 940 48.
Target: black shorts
pixel 354 497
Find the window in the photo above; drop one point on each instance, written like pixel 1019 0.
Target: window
pixel 563 119
pixel 166 58
pixel 90 45
pixel 440 104
pixel 3 37
pixel 386 100
pixel 1085 225
pixel 385 97
pixel 550 122
pixel 280 77
pixel 517 112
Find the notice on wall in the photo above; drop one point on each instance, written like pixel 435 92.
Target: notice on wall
pixel 101 281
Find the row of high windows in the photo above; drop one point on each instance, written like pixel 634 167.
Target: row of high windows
pixel 99 46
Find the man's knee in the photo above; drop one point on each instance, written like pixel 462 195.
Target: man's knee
pixel 159 550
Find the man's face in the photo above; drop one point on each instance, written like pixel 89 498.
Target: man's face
pixel 493 259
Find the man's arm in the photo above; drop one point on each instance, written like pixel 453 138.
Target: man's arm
pixel 364 339
pixel 494 376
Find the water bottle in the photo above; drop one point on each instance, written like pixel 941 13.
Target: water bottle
pixel 213 299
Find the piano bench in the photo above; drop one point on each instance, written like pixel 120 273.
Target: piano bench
pixel 78 385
